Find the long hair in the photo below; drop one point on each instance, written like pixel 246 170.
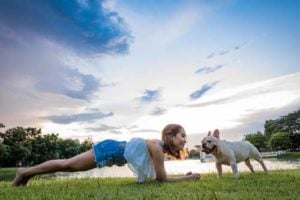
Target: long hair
pixel 168 132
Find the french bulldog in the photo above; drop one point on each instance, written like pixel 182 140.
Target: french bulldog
pixel 231 153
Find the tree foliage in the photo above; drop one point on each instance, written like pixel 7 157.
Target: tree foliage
pixel 281 133
pixel 280 141
pixel 28 146
pixel 288 124
pixel 259 140
pixel 194 154
pixel 2 125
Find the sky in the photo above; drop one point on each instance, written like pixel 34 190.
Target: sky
pixel 122 69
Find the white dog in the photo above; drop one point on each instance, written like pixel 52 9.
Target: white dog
pixel 231 153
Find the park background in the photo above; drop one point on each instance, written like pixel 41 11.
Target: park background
pixel 73 73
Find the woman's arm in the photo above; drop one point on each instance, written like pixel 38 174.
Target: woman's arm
pixel 157 155
pixel 191 176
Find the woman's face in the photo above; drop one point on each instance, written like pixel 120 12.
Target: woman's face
pixel 179 140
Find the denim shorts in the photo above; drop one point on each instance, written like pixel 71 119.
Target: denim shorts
pixel 109 152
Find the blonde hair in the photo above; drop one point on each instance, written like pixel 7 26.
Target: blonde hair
pixel 168 132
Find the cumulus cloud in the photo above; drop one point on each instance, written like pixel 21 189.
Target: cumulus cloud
pixel 67 119
pixel 71 83
pixel 199 93
pixel 84 26
pixel 149 96
pixel 37 40
pixel 46 72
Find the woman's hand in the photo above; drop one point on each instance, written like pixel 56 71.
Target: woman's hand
pixel 189 173
pixel 193 175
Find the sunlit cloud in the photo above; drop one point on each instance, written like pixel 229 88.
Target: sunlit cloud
pixel 229 109
pixel 82 117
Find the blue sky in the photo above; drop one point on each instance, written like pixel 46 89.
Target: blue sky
pixel 121 69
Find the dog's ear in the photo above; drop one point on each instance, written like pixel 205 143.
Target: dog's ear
pixel 209 133
pixel 216 133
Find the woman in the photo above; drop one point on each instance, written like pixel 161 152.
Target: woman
pixel 144 157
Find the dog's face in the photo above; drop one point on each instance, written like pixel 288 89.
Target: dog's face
pixel 209 144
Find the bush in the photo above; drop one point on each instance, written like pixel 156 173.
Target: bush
pixel 280 141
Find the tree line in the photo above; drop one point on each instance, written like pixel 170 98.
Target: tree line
pixel 280 134
pixel 28 146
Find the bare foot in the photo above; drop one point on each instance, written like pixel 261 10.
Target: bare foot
pixel 20 178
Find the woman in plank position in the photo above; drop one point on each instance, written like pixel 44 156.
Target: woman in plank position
pixel 144 157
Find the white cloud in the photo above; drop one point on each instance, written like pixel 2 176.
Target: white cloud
pixel 166 49
pixel 228 109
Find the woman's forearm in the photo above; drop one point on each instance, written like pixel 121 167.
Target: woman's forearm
pixel 194 176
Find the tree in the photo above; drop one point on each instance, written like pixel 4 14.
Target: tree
pixel 271 126
pixel 19 141
pixel 280 141
pixel 86 145
pixel 68 148
pixel 259 140
pixel 28 146
pixel 44 147
pixel 4 154
pixel 2 125
pixel 289 124
pixel 19 145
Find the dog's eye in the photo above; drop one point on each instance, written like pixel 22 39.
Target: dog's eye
pixel 209 141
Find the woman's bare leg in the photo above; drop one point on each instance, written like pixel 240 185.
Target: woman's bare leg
pixel 81 162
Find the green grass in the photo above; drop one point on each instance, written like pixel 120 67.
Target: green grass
pixel 290 155
pixel 279 184
pixel 7 174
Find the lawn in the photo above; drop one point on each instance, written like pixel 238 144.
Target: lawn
pixel 279 184
pixel 7 174
pixel 290 156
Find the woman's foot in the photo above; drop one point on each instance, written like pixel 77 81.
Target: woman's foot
pixel 20 178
